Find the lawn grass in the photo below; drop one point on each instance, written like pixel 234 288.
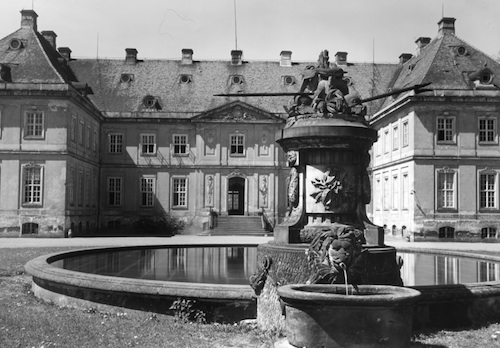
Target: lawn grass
pixel 26 321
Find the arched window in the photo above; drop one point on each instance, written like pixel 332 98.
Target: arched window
pixel 29 228
pixel 446 232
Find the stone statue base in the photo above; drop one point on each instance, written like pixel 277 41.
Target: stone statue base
pixel 289 264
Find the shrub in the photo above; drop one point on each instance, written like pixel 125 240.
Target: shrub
pixel 185 311
pixel 162 224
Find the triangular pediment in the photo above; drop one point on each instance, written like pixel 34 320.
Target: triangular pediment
pixel 237 111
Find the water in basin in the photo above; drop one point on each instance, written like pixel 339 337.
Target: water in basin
pixel 235 264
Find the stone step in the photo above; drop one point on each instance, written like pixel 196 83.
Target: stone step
pixel 238 225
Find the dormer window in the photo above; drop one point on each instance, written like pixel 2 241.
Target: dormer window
pixel 15 44
pixel 236 79
pixel 485 77
pixel 461 51
pixel 288 80
pixel 151 102
pixel 126 78
pixel 185 78
pixel 482 77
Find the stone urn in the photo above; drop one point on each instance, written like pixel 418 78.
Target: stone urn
pixel 322 315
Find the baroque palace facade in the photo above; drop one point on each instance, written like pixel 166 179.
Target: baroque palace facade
pixel 89 144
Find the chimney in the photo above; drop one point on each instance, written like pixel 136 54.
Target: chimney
pixel 341 58
pixel 236 57
pixel 50 36
pixel 286 58
pixel 421 43
pixel 404 57
pixel 446 26
pixel 28 19
pixel 65 52
pixel 131 55
pixel 187 56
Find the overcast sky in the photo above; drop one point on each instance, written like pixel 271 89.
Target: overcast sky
pixel 365 29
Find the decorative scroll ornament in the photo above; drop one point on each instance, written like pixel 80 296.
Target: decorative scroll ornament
pixel 329 187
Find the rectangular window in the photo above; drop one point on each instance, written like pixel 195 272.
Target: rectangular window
pixel 487 130
pixel 446 189
pixel 87 189
pixel 115 142
pixel 180 144
pixel 95 141
pixel 115 191
pixel 180 192
pixel 237 144
pixel 395 192
pixel 378 193
pixel 71 186
pixel 87 137
pixel 147 192
pixel 406 191
pixel 385 189
pixel 406 139
pixel 81 186
pixel 81 128
pixel 148 144
pixel 395 137
pixel 73 129
pixel 32 185
pixel 387 142
pixel 94 190
pixel 446 130
pixel 488 190
pixel 34 125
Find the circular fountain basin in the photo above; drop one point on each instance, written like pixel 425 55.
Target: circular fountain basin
pixel 147 283
pixel 321 315
pixel 458 289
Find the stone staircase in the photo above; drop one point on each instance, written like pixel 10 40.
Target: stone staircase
pixel 236 225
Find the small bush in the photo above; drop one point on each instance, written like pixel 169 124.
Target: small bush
pixel 164 225
pixel 185 311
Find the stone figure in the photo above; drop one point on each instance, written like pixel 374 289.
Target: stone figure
pixel 324 60
pixel 210 190
pixel 292 158
pixel 263 191
pixel 292 183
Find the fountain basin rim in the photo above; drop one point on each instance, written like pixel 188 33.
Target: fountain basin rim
pixel 41 269
pixel 334 295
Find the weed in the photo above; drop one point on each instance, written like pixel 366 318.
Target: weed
pixel 185 311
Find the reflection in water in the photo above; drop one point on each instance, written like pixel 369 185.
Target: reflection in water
pixel 224 265
pixel 235 265
pixel 431 269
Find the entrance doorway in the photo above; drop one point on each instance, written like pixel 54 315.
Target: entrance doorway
pixel 236 196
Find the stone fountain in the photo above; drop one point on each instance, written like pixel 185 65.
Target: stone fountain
pixel 326 236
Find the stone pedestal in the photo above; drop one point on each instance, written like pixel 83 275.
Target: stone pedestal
pixel 327 189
